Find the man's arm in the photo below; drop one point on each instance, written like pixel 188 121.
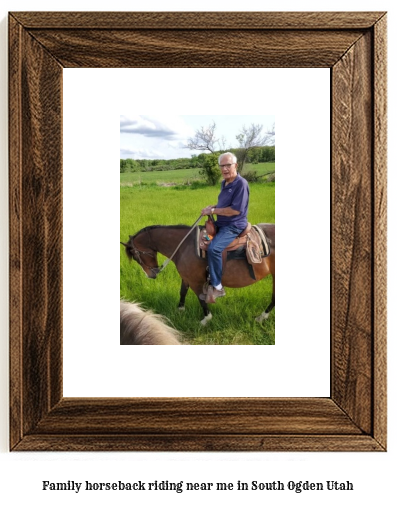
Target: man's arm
pixel 226 212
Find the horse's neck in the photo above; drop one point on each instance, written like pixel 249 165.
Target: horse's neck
pixel 167 239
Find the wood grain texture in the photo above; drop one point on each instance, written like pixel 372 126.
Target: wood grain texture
pixel 15 228
pixel 200 20
pixel 42 230
pixel 238 416
pixel 351 231
pixel 199 443
pixel 35 230
pixel 196 48
pixel 353 45
pixel 380 229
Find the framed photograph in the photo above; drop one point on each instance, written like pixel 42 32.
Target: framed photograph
pixel 353 47
pixel 153 192
pixel 158 195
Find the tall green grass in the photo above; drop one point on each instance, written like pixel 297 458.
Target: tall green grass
pixel 233 316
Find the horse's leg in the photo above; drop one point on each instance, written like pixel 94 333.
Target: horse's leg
pixel 265 314
pixel 207 313
pixel 197 288
pixel 183 292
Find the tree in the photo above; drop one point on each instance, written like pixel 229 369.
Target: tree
pixel 201 158
pixel 123 165
pixel 210 169
pixel 268 154
pixel 204 139
pixel 255 156
pixel 270 136
pixel 249 138
pixel 128 165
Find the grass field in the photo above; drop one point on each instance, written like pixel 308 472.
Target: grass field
pixel 181 176
pixel 233 316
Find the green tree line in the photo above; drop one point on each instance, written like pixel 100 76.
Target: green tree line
pixel 255 156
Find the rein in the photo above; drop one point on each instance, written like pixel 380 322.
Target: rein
pixel 165 263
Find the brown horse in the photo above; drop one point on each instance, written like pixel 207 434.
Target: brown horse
pixel 144 245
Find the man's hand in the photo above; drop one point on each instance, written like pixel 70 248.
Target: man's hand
pixel 207 210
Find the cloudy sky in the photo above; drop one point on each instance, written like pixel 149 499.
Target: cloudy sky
pixel 165 137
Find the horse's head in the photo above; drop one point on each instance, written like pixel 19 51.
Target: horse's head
pixel 138 248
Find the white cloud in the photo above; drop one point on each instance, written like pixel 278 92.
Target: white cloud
pixel 140 154
pixel 165 127
pixel 154 137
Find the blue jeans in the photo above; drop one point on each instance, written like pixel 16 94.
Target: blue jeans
pixel 225 235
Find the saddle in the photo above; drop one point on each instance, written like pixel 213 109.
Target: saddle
pixel 251 244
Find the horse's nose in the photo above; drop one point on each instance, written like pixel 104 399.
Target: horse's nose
pixel 151 273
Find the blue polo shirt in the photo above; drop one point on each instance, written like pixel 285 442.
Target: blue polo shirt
pixel 236 196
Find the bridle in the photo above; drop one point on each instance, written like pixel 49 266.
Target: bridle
pixel 137 254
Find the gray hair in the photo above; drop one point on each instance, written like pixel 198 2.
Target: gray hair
pixel 234 158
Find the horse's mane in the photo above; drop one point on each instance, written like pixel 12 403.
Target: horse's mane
pixel 143 327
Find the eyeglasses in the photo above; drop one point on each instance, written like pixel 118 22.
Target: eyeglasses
pixel 228 166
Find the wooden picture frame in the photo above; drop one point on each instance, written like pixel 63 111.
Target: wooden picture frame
pixel 353 46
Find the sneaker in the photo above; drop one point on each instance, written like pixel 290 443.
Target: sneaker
pixel 213 293
pixel 205 288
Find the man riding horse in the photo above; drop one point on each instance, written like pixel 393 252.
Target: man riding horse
pixel 231 210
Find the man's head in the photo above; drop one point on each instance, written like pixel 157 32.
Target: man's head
pixel 228 166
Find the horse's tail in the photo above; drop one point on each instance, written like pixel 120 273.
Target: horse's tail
pixel 143 327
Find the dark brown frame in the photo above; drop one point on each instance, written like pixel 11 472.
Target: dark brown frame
pixel 353 46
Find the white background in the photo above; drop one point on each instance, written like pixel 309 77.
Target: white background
pixel 21 474
pixel 91 217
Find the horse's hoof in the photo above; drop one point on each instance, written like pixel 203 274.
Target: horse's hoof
pixel 206 319
pixel 262 317
pixel 181 308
